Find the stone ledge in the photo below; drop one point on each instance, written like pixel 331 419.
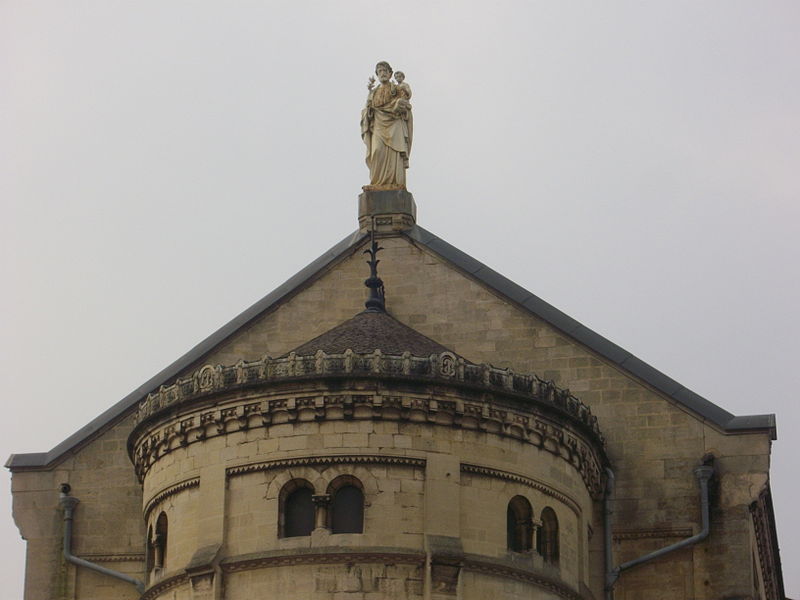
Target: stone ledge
pixel 547 577
pixel 323 555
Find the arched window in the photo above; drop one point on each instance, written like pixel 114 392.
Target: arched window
pixel 160 542
pixel 148 551
pixel 547 542
pixel 346 513
pixel 296 509
pixel 519 525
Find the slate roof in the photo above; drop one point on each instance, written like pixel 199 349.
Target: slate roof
pixel 368 331
pixel 504 287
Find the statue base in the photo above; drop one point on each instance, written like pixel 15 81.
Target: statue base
pixel 386 211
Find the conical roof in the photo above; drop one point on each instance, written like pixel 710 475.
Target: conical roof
pixel 369 331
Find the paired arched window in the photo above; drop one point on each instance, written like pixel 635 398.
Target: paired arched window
pixel 519 525
pixel 346 513
pixel 297 509
pixel 340 510
pixel 520 529
pixel 547 541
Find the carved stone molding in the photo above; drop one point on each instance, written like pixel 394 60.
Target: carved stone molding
pixel 767 542
pixel 477 565
pixel 313 461
pixel 167 492
pixel 244 563
pixel 165 584
pixel 336 555
pixel 484 412
pixel 444 367
pixel 121 557
pixel 527 481
pixel 663 533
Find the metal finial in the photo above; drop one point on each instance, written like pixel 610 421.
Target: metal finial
pixel 375 302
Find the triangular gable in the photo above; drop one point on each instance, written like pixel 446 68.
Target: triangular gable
pixel 502 286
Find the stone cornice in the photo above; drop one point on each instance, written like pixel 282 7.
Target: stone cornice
pixel 167 492
pixel 449 407
pixel 336 555
pixel 657 533
pixel 485 565
pixel 385 555
pixel 163 585
pixel 527 481
pixel 766 539
pixel 322 556
pixel 445 367
pixel 111 557
pixel 338 459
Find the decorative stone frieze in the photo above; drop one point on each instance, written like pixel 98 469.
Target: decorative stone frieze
pixel 527 481
pixel 441 389
pixel 444 367
pixel 660 533
pixel 167 492
pixel 493 413
pixel 314 461
pixel 123 557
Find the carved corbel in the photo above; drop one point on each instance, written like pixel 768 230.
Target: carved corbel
pixel 347 406
pixel 205 575
pixel 446 558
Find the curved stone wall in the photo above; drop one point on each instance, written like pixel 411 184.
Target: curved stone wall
pixel 438 461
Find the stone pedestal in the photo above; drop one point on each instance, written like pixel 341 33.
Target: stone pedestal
pixel 386 210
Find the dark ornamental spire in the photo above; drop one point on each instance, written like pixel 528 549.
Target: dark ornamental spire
pixel 375 302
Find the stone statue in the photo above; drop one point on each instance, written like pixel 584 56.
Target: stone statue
pixel 386 128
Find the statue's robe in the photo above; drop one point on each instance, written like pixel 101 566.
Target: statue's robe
pixel 385 131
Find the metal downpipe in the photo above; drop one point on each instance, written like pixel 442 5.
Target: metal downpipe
pixel 68 503
pixel 703 474
pixel 607 534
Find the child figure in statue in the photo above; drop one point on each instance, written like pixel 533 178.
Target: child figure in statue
pixel 402 87
pixel 408 126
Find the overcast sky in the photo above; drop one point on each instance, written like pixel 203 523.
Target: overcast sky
pixel 163 165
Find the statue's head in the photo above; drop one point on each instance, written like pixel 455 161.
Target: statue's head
pixel 399 76
pixel 384 71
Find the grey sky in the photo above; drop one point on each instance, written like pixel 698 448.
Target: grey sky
pixel 165 164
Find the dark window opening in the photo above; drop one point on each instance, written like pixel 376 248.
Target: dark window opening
pixel 160 542
pixel 347 510
pixel 298 513
pixel 519 525
pixel 547 542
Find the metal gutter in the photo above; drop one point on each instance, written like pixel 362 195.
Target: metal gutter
pixel 68 503
pixel 703 474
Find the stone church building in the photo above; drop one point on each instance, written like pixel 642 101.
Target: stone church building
pixel 458 438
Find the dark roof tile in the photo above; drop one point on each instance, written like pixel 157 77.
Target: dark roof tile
pixel 369 331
